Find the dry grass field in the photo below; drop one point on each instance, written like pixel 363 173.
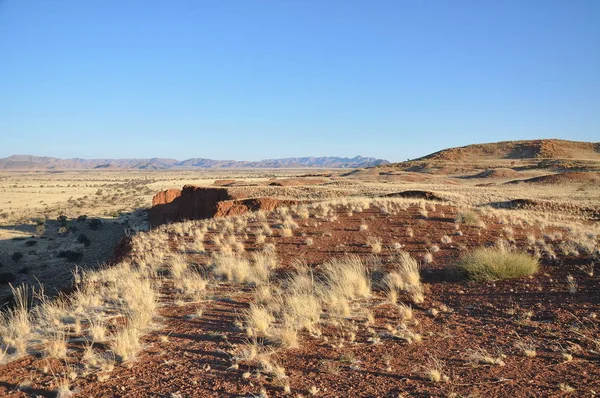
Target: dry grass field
pixel 43 215
pixel 485 287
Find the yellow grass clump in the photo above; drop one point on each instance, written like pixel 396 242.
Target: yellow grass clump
pixel 494 263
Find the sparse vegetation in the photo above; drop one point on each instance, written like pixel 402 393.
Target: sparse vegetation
pixel 303 294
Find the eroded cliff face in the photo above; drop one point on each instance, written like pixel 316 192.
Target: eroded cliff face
pixel 194 203
pixel 241 206
pixel 165 197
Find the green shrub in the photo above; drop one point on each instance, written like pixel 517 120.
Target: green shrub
pixel 493 263
pixel 17 256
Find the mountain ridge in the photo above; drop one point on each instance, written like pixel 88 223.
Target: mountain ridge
pixel 31 162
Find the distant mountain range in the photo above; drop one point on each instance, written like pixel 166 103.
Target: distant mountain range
pixel 29 162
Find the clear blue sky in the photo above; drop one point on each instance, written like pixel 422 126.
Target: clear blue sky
pixel 245 79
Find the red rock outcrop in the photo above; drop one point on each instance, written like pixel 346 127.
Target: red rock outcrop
pixel 237 207
pixel 166 196
pixel 194 203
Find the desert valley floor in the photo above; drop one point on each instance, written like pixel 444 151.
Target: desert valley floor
pixel 328 283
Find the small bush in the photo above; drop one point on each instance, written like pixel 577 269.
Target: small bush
pixel 114 214
pixel 468 217
pixel 70 255
pixel 31 243
pixel 82 238
pixel 95 224
pixel 493 263
pixel 17 256
pixel 7 277
pixel 40 229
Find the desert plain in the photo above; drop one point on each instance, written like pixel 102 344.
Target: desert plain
pixel 469 272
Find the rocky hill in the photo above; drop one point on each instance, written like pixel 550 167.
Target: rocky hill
pixel 531 149
pixel 28 162
pixel 547 154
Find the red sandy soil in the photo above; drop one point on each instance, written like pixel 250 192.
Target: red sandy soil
pixel 196 360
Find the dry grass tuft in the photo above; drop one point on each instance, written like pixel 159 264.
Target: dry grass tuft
pixel 405 277
pixel 526 349
pixel 494 263
pixel 238 269
pixel 259 319
pixel 15 323
pixel 433 370
pixel 56 345
pixel 347 277
pixel 177 264
pixel 126 344
pixel 468 217
pixel 480 356
pixel 375 244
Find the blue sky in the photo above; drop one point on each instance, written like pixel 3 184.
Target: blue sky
pixel 261 79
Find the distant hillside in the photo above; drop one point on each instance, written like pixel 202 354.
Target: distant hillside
pixel 28 162
pixel 531 149
pixel 502 158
